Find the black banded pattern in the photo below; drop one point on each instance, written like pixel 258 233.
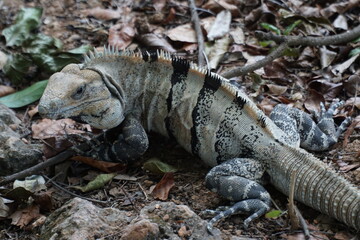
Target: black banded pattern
pixel 150 56
pixel 178 84
pixel 201 112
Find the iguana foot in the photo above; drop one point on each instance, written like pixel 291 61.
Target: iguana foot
pixel 237 180
pixel 255 207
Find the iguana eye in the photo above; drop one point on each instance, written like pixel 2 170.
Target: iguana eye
pixel 79 92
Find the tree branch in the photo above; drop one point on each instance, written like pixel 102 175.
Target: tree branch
pixel 288 41
pixel 50 162
pixel 278 52
pixel 199 36
pixel 312 41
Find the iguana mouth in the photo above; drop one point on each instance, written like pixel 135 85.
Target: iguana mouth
pixel 58 115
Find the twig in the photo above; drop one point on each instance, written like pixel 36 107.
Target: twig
pixel 278 52
pixel 199 36
pixel 288 41
pixel 50 162
pixel 71 193
pixel 312 41
pixel 296 218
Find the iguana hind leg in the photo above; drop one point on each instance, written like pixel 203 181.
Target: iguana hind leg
pixel 303 131
pixel 125 143
pixel 238 181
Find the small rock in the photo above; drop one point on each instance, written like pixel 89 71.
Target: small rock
pixel 175 220
pixel 141 230
pixel 15 154
pixel 80 219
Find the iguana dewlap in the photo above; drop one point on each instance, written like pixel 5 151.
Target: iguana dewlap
pixel 210 118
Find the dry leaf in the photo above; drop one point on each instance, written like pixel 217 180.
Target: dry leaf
pixel 153 40
pixel 349 167
pixel 352 85
pixel 23 217
pixel 221 26
pixel 4 210
pixel 313 101
pixel 103 14
pixel 6 90
pixel 3 60
pixel 33 111
pixel 275 89
pixel 121 36
pixel 350 129
pixel 340 68
pixel 161 190
pixel 219 5
pixel 217 51
pixel 159 4
pixel 47 128
pixel 107 167
pixel 182 33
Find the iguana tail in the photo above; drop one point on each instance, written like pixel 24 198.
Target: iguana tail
pixel 317 186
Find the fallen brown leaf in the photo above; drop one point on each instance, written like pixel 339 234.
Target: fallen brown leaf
pixel 103 14
pixel 6 90
pixel 313 101
pixel 349 167
pixel 121 36
pixel 33 111
pixel 23 217
pixel 107 167
pixel 350 130
pixel 159 4
pixel 161 190
pixel 153 40
pixel 47 128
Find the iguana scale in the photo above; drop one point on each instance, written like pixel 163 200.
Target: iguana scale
pixel 209 117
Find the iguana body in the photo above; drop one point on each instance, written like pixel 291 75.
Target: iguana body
pixel 210 118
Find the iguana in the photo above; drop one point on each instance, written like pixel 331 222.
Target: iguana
pixel 209 117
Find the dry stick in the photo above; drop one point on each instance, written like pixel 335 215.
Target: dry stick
pixel 312 41
pixel 71 193
pixel 199 36
pixel 296 218
pixel 278 52
pixel 50 162
pixel 287 41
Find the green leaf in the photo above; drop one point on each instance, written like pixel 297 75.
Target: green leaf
pixel 26 96
pixel 291 27
pixel 80 50
pixel 26 21
pixel 97 183
pixel 156 166
pixel 47 54
pixel 266 43
pixel 271 27
pixel 273 214
pixel 16 67
pixel 292 52
pixel 354 52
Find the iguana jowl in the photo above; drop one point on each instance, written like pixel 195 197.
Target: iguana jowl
pixel 209 117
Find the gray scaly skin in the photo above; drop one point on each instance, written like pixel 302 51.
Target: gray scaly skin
pixel 210 118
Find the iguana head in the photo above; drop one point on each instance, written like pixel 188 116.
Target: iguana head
pixel 82 95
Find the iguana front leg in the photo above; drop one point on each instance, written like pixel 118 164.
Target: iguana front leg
pixel 125 143
pixel 238 181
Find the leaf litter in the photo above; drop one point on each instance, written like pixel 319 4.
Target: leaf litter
pixel 304 78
